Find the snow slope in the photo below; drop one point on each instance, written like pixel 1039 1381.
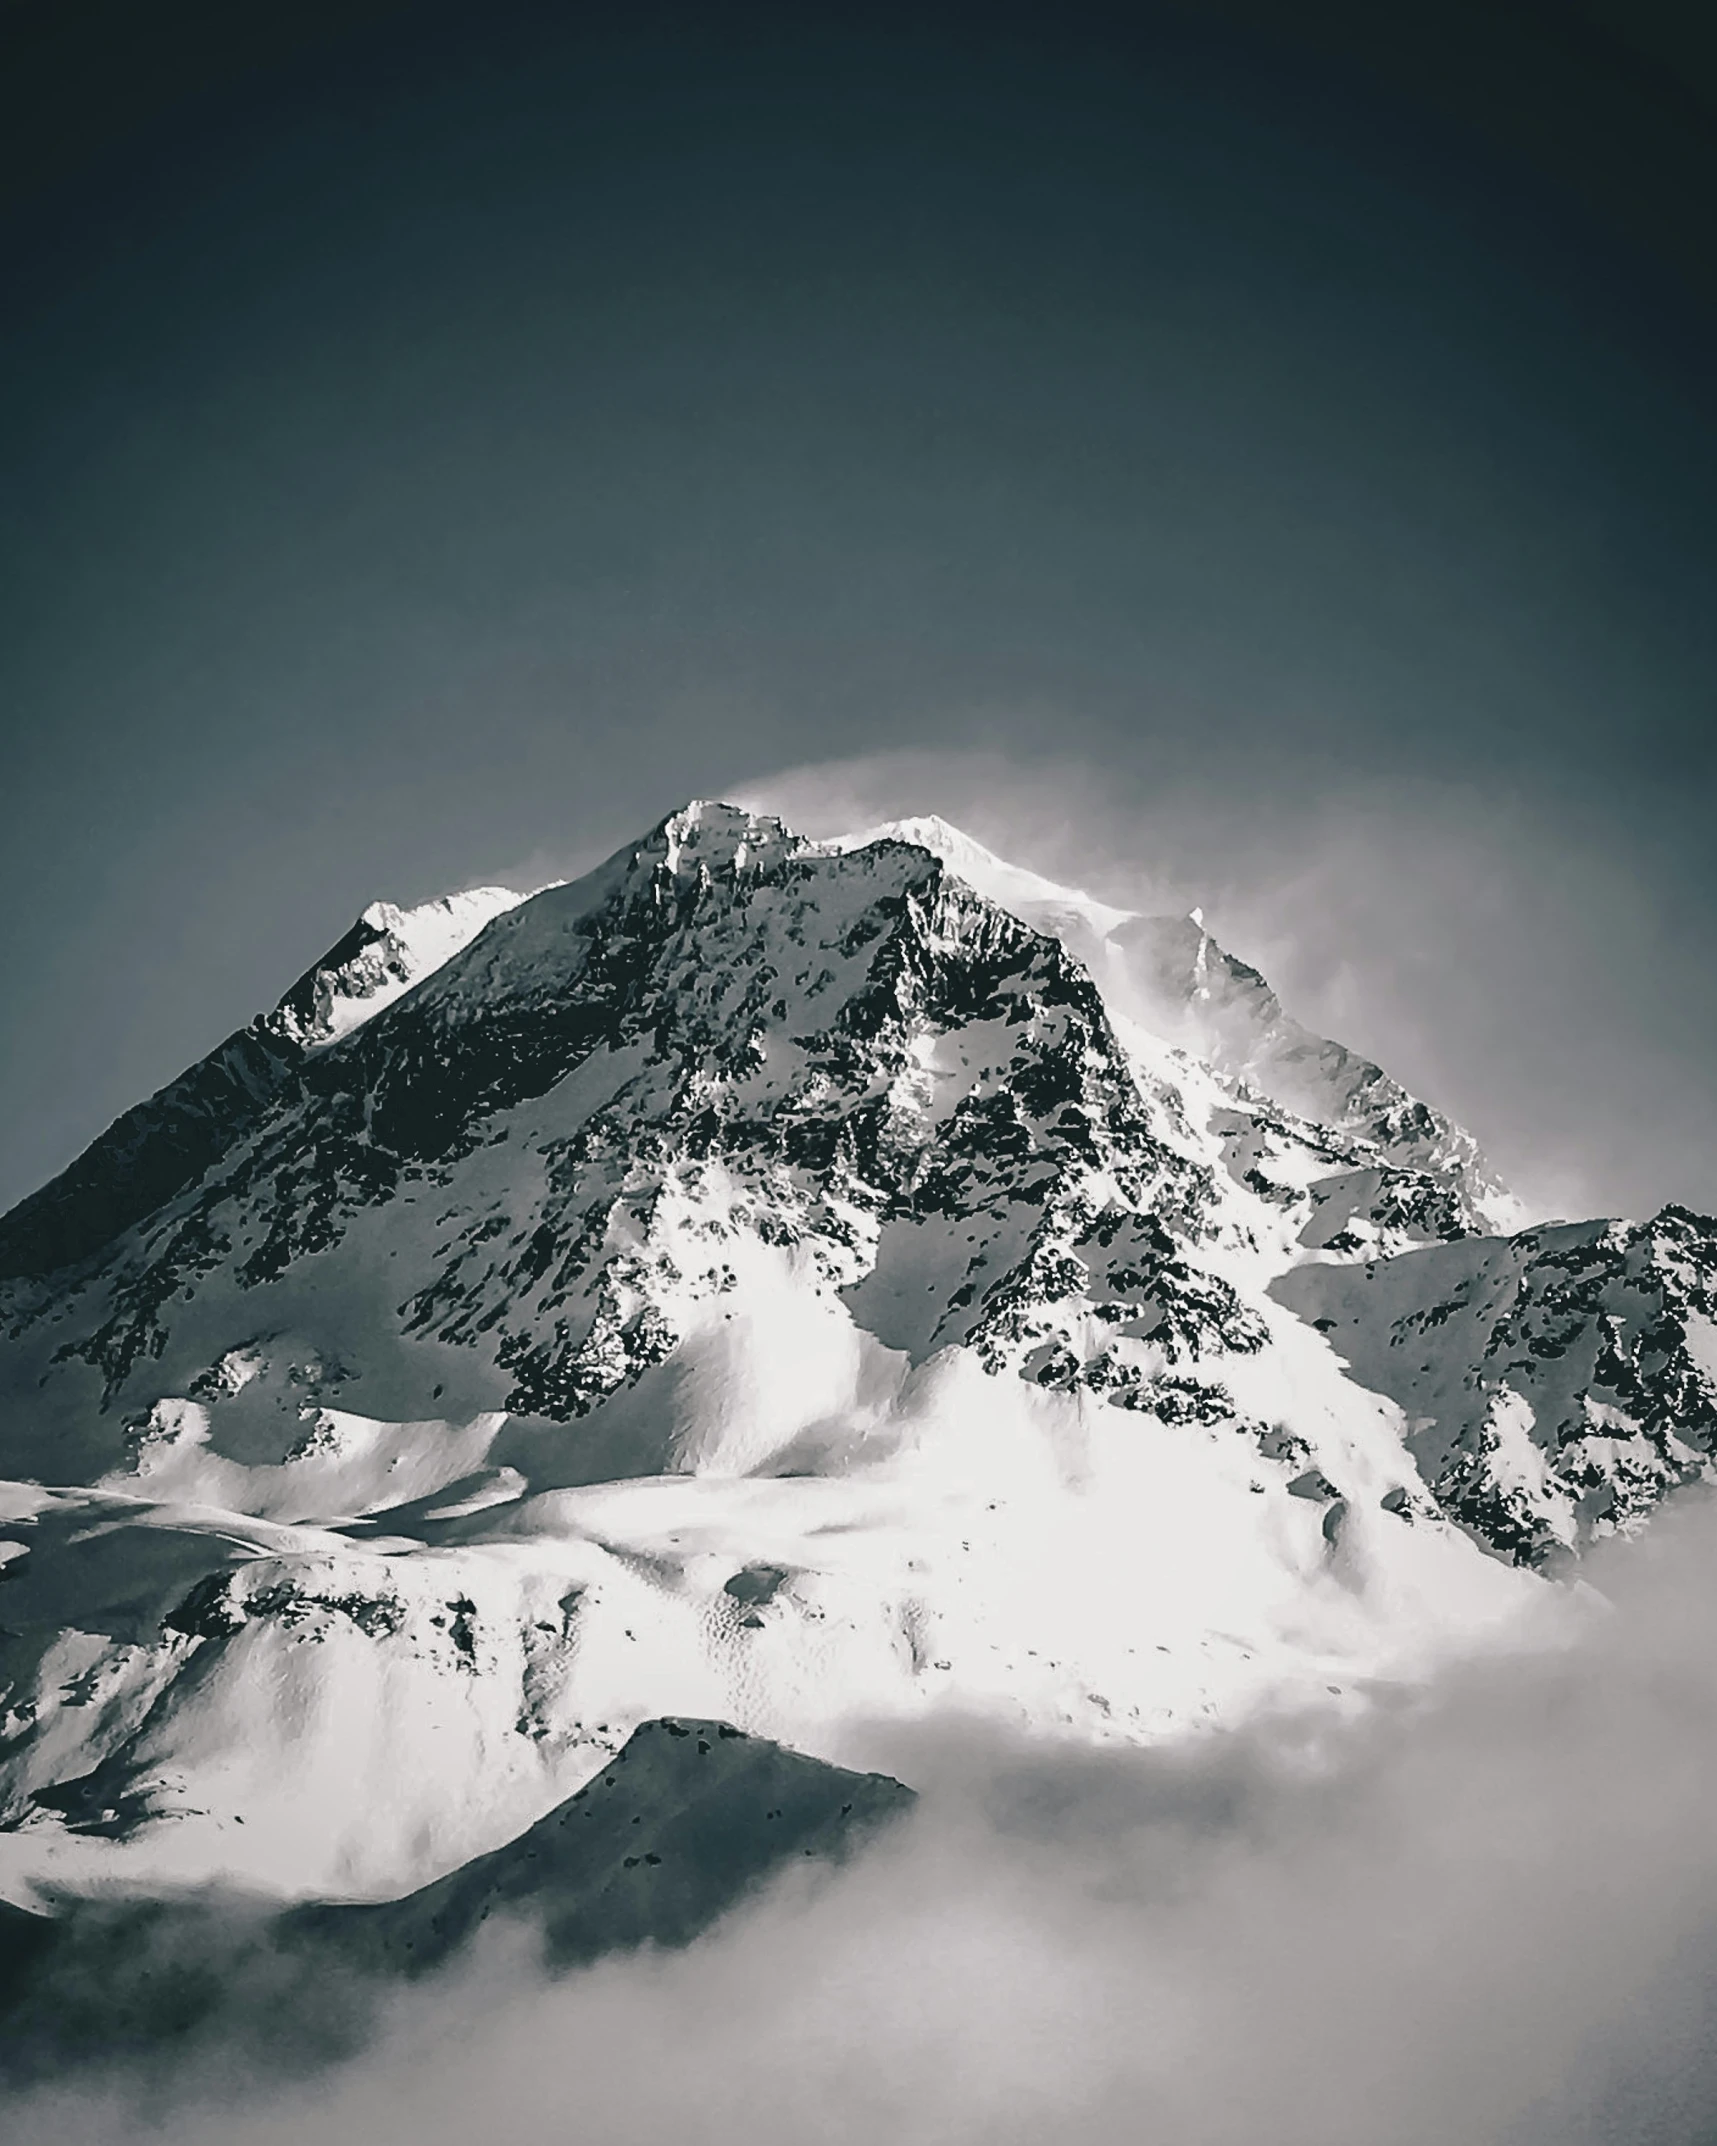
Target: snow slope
pixel 803 1285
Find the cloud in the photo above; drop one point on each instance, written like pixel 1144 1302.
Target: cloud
pixel 1488 1917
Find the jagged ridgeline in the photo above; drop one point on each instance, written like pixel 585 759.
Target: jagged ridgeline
pixel 799 1283
pixel 725 1019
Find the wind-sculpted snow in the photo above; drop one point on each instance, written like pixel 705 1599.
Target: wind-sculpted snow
pixel 805 1285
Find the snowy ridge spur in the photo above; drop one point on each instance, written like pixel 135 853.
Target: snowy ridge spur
pixel 164 1144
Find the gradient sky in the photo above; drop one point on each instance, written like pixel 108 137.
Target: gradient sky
pixel 1282 474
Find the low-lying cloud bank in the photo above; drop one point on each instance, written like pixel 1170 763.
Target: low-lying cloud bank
pixel 1489 1917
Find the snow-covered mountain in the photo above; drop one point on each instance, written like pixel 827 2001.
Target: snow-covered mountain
pixel 803 1285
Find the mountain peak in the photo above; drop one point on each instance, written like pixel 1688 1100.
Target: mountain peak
pixel 767 1280
pixel 717 836
pixel 1029 895
pixel 1173 978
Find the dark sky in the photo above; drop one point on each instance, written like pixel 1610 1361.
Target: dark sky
pixel 1277 468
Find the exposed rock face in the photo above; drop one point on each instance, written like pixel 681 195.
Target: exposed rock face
pixel 794 1283
pixel 1557 1384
